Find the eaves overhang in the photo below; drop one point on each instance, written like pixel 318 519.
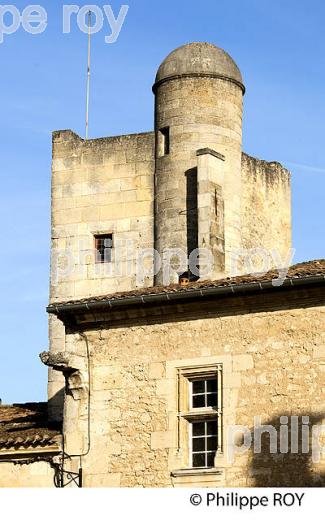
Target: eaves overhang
pixel 170 297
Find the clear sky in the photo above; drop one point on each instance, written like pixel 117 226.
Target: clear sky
pixel 279 46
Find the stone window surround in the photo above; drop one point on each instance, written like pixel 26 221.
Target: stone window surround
pixel 164 141
pixel 176 437
pixel 185 376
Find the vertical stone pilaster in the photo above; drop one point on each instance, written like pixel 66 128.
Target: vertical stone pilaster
pixel 211 229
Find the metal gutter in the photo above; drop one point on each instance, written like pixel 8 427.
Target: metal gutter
pixel 236 289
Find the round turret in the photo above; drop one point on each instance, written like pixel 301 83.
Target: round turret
pixel 198 105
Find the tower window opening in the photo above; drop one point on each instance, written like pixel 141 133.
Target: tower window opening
pixel 164 138
pixel 104 246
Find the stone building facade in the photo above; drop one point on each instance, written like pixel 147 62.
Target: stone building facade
pixel 139 353
pixel 184 186
pixel 165 349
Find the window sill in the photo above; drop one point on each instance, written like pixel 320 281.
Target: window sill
pixel 190 472
pixel 200 414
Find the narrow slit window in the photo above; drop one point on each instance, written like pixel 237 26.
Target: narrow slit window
pixel 164 141
pixel 104 246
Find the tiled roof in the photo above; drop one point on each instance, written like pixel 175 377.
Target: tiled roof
pixel 302 270
pixel 26 426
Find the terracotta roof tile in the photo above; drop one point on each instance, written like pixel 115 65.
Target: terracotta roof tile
pixel 27 426
pixel 301 270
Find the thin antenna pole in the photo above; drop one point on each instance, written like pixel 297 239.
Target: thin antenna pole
pixel 88 77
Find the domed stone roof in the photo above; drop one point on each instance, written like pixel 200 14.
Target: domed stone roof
pixel 199 58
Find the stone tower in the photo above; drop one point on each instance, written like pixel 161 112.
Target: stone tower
pixel 187 185
pixel 198 130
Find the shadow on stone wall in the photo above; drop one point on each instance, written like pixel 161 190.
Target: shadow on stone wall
pixel 191 211
pixel 289 469
pixel 56 406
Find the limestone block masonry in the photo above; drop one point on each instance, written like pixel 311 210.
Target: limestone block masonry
pixel 36 475
pixel 186 184
pixel 273 366
pixel 99 186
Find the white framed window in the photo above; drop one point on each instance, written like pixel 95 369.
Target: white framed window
pixel 204 392
pixel 204 443
pixel 200 414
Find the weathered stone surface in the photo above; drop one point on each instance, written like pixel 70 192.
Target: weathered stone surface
pixel 224 200
pixel 135 429
pixel 35 475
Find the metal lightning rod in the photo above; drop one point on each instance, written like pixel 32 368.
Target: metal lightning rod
pixel 88 77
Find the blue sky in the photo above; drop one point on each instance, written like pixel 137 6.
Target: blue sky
pixel 279 47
